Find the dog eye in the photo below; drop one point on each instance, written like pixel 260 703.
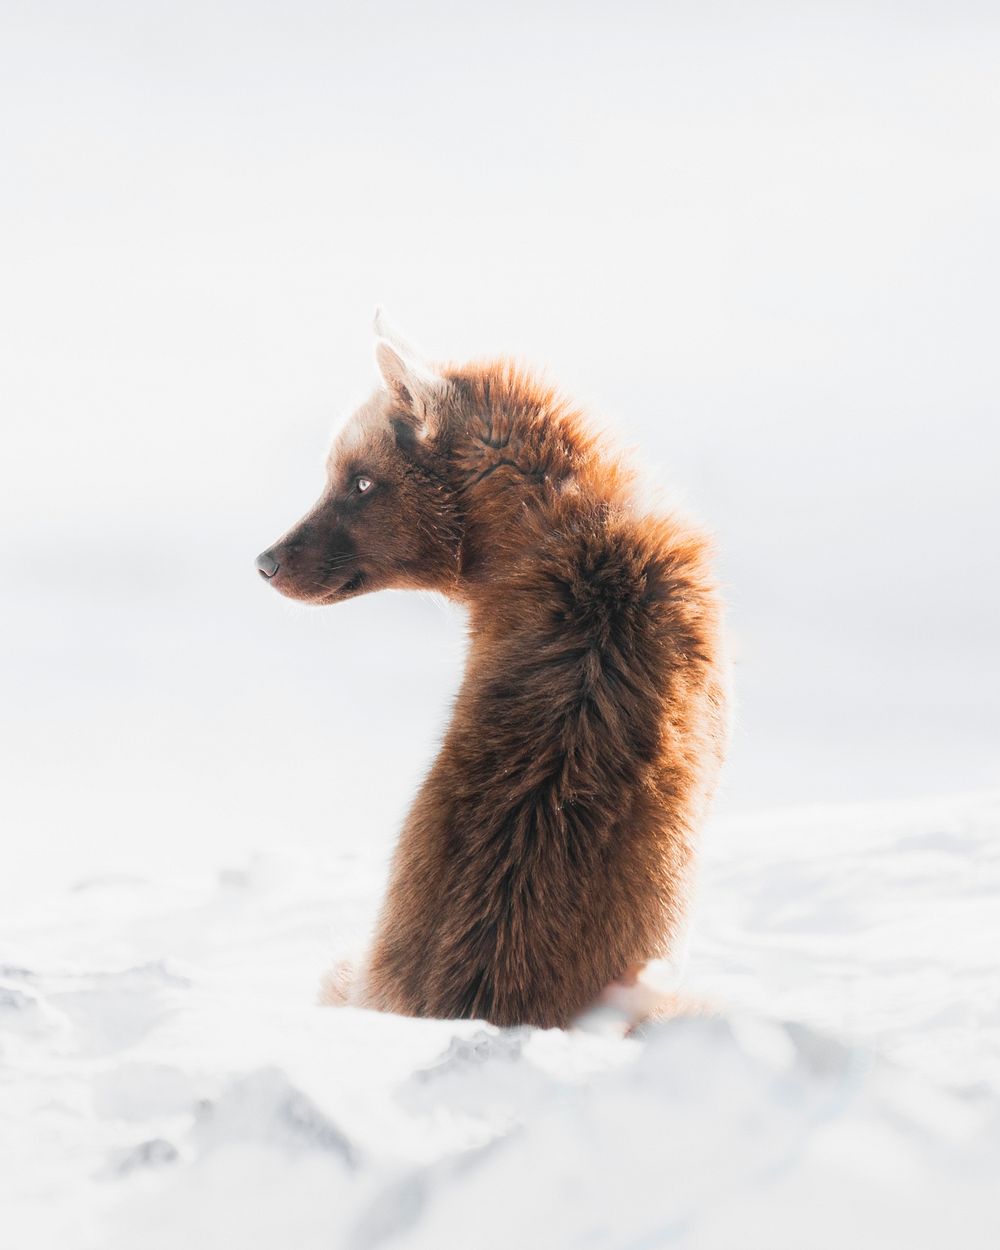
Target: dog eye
pixel 363 484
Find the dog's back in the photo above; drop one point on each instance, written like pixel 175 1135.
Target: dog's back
pixel 547 853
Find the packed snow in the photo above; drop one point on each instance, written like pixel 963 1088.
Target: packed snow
pixel 168 1080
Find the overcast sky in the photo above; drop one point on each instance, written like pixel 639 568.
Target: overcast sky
pixel 759 241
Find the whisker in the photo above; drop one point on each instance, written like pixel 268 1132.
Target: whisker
pixel 323 586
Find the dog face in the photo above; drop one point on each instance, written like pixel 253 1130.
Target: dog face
pixel 388 517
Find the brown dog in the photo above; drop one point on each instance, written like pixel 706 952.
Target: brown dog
pixel 546 855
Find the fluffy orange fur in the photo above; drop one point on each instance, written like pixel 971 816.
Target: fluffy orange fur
pixel 548 852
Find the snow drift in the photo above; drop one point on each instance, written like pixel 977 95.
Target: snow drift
pixel 168 1081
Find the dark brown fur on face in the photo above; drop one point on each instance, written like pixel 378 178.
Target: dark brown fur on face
pixel 547 854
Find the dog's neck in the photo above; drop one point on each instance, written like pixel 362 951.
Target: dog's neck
pixel 523 466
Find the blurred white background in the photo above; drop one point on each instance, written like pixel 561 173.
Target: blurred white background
pixel 759 241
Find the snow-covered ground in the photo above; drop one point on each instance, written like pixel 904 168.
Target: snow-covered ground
pixel 167 1080
pixel 760 242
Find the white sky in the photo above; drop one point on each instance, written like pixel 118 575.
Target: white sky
pixel 758 240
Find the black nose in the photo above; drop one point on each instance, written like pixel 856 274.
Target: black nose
pixel 267 565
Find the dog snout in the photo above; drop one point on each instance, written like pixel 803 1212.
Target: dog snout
pixel 267 565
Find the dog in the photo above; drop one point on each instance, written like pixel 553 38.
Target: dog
pixel 547 856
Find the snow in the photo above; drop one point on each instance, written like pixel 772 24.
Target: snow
pixel 169 1081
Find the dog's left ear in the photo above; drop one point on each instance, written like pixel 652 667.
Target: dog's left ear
pixel 417 387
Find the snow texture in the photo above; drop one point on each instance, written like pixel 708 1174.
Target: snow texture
pixel 167 1080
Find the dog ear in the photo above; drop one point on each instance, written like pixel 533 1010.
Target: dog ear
pixel 416 386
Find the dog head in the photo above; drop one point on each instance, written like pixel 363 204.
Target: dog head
pixel 388 517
